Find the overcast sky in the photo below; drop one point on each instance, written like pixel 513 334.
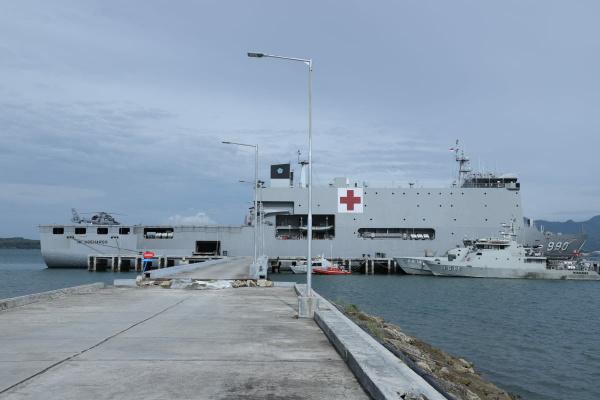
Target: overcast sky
pixel 121 106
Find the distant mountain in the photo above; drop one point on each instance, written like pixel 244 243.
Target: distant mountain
pixel 591 227
pixel 19 243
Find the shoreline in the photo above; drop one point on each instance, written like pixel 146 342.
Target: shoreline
pixel 452 375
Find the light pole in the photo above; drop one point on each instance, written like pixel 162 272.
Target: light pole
pixel 308 63
pixel 261 216
pixel 255 146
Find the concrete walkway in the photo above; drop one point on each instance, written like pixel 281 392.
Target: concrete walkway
pixel 169 344
pixel 231 268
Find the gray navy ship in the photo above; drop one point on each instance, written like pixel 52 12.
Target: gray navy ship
pixel 350 220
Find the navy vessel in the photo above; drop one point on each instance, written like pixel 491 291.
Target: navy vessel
pixel 505 258
pixel 350 220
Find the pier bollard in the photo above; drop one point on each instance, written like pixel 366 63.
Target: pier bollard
pixel 307 306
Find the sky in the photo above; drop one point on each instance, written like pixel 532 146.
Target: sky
pixel 122 106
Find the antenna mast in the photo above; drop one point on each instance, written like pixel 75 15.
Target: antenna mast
pixel 463 161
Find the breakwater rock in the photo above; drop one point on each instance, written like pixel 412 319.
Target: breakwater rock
pixel 455 376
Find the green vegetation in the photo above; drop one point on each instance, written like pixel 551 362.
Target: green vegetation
pixel 19 243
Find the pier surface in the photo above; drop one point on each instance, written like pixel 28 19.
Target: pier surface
pixel 163 343
pixel 233 268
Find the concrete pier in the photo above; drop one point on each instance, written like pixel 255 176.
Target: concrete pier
pixel 161 343
pixel 155 343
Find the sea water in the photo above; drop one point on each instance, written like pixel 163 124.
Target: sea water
pixel 537 339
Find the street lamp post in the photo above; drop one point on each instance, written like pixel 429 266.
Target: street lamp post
pixel 261 217
pixel 308 63
pixel 255 146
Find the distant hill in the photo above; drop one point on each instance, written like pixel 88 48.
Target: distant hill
pixel 591 227
pixel 19 243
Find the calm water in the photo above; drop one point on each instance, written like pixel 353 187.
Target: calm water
pixel 23 272
pixel 538 339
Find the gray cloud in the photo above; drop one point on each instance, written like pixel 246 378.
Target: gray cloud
pixel 122 106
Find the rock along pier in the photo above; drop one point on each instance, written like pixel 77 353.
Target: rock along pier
pixel 154 343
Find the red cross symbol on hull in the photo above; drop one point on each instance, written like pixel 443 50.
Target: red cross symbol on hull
pixel 350 200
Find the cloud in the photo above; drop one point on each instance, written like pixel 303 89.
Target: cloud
pixel 199 218
pixel 24 193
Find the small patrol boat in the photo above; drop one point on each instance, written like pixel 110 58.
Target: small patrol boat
pixel 320 266
pixel 505 258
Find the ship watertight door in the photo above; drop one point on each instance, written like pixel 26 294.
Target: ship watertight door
pixel 208 247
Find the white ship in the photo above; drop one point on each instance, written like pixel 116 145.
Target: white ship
pixel 351 220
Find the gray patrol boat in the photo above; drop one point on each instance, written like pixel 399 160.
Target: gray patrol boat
pixel 351 220
pixel 505 258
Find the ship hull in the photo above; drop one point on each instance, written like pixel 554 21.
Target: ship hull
pixel 413 266
pixel 387 227
pixel 518 272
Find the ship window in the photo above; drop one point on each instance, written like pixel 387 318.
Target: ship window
pixel 158 233
pixel 397 233
pixel 293 227
pixel 123 231
pixel 102 231
pixel 58 231
pixel 80 231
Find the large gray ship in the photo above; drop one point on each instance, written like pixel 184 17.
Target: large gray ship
pixel 350 220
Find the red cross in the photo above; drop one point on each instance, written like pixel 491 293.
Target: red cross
pixel 349 200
